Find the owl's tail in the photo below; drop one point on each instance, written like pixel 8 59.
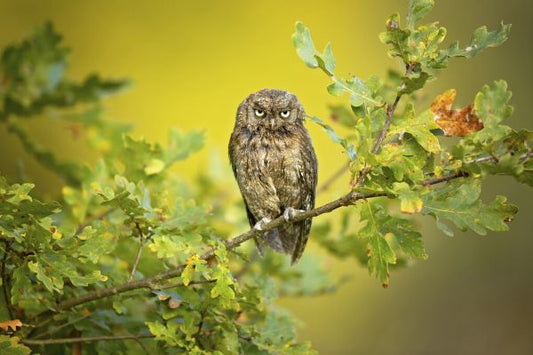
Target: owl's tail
pixel 272 240
pixel 290 239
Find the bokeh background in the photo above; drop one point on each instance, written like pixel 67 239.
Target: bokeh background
pixel 192 62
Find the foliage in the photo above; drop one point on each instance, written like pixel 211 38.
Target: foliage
pixel 128 223
pixel 409 159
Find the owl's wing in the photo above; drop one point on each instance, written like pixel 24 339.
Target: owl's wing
pixel 258 241
pixel 308 181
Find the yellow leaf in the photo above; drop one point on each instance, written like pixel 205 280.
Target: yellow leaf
pixel 154 166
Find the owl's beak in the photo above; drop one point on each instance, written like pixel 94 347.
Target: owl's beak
pixel 272 123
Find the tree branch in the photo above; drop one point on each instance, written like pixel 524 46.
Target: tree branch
pixel 150 282
pixel 86 339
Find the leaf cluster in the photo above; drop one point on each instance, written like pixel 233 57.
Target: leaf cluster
pixel 395 151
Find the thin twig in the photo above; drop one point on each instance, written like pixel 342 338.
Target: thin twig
pixel 379 141
pixel 445 178
pixel 326 185
pixel 199 282
pixel 85 339
pixel 139 252
pixel 493 159
pixel 58 328
pixel 385 129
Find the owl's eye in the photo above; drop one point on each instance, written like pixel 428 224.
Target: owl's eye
pixel 259 112
pixel 285 113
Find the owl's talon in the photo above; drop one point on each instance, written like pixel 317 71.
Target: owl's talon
pixel 290 213
pixel 259 225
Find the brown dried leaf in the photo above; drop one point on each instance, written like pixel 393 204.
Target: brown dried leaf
pixel 455 122
pixel 13 324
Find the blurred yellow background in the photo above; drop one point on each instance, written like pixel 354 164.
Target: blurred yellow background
pixel 192 62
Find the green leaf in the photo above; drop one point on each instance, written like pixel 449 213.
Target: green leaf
pixel 304 45
pixel 481 39
pixel 417 10
pixel 405 235
pixel 459 203
pixel 360 94
pixel 336 89
pixel 39 271
pixel 181 145
pixel 96 244
pixel 491 103
pixel 305 48
pixel 380 253
pixel 326 61
pixel 51 268
pixel 419 126
pixel 166 333
pixel 222 290
pixel 396 38
pixel 11 345
pixel 413 83
pixel 123 200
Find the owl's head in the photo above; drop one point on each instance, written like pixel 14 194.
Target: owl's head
pixel 270 109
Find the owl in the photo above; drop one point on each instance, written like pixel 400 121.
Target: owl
pixel 275 166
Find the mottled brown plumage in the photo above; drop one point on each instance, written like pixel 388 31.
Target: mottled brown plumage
pixel 275 166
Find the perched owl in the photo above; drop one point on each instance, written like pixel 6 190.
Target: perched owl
pixel 275 166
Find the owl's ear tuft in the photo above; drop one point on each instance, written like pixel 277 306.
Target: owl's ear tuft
pixel 301 113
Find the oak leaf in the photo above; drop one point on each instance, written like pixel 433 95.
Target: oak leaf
pixel 455 122
pixel 11 324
